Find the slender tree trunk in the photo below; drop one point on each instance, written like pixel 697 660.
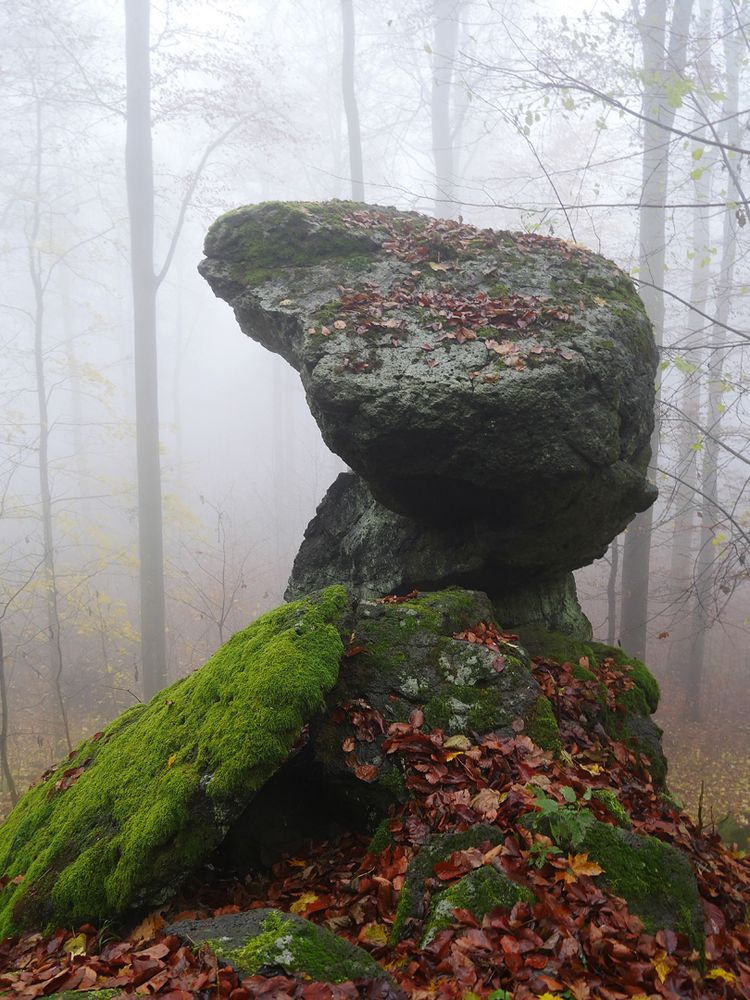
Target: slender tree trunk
pixel 683 535
pixel 710 519
pixel 612 591
pixel 140 187
pixel 446 15
pixel 350 102
pixel 4 762
pixel 38 282
pixel 659 65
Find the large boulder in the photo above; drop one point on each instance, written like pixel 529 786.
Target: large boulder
pixel 465 374
pixel 269 939
pixel 134 809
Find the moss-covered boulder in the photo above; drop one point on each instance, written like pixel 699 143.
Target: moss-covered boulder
pixel 404 657
pixel 502 380
pixel 480 892
pixel 653 877
pixel 265 939
pixel 412 908
pixel 630 718
pixel 135 808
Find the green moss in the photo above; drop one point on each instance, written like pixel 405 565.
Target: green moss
pixel 300 948
pixel 480 892
pixel 256 240
pixel 85 995
pixel 654 878
pixel 641 676
pixel 542 727
pixel 437 848
pixel 565 649
pixel 163 780
pixel 392 779
pixel 498 291
pixel 381 839
pixel 583 673
pixel 614 807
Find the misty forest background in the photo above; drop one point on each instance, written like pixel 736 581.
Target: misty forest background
pixel 129 128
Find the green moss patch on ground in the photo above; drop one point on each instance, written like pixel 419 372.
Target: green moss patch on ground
pixel 141 804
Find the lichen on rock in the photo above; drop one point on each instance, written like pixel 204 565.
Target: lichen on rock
pixel 263 938
pixel 454 363
pixel 479 892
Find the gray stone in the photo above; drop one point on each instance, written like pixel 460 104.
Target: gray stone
pixel 267 940
pixel 373 551
pixel 462 373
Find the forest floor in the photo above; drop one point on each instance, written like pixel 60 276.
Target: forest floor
pixel 576 942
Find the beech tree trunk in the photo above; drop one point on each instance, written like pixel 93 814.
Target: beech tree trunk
pixel 140 188
pixel 446 17
pixel 708 549
pixel 682 562
pixel 660 64
pixel 350 102
pixel 39 283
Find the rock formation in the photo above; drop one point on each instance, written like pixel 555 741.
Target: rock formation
pixel 493 394
pixel 494 391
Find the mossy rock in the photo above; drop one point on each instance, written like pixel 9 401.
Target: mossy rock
pixel 480 892
pixel 547 457
pixel 630 722
pixel 264 938
pixel 405 658
pixel 614 807
pixel 133 810
pixel 654 878
pixel 437 848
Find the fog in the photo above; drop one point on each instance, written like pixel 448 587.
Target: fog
pixel 548 130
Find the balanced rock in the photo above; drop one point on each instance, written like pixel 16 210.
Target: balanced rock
pixel 356 541
pixel 469 376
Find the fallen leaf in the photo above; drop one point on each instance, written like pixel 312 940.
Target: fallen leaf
pixel 304 901
pixel 457 742
pixel 718 973
pixel 663 964
pixel 76 945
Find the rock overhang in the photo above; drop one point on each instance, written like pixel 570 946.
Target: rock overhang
pixel 505 379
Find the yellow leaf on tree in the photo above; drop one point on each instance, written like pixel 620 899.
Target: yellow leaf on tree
pixel 301 904
pixel 663 965
pixel 728 977
pixel 76 945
